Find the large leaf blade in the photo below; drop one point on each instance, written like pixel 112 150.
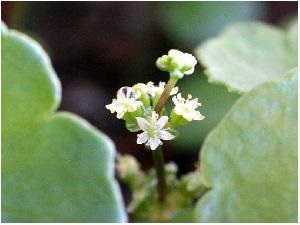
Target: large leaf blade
pixel 248 54
pixel 55 166
pixel 250 159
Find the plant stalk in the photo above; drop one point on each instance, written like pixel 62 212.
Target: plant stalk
pixel 158 157
pixel 165 95
pixel 159 165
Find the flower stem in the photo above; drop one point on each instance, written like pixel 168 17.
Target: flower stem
pixel 165 95
pixel 158 156
pixel 159 164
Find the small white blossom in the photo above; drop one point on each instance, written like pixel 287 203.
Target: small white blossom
pixel 187 107
pixel 140 88
pixel 154 90
pixel 151 89
pixel 177 63
pixel 153 131
pixel 126 102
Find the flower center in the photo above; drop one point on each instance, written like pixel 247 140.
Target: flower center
pixel 152 131
pixel 186 109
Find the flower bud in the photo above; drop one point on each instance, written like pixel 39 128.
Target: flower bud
pixel 177 63
pixel 128 168
pixel 142 90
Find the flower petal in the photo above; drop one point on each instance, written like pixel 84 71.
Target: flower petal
pixel 174 91
pixel 178 110
pixel 154 117
pixel 165 135
pixel 198 116
pixel 188 116
pixel 162 121
pixel 143 124
pixel 161 85
pixel 121 93
pixel 175 100
pixel 189 72
pixel 142 138
pixel 192 104
pixel 180 98
pixel 120 114
pixel 154 143
pixel 110 107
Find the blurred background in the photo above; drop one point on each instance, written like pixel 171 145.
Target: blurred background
pixel 97 47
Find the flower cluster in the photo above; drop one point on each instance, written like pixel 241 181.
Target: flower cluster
pixel 136 104
pixel 126 102
pixel 177 63
pixel 186 108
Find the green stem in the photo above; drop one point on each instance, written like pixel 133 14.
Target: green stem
pixel 165 95
pixel 158 156
pixel 159 164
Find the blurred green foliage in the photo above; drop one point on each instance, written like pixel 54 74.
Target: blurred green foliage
pixel 188 23
pixel 144 207
pixel 247 54
pixel 292 33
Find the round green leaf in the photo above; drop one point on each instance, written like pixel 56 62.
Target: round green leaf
pixel 250 159
pixel 248 54
pixel 55 166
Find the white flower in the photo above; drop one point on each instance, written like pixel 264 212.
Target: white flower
pixel 187 108
pixel 177 63
pixel 151 89
pixel 140 88
pixel 153 131
pixel 125 102
pixel 154 90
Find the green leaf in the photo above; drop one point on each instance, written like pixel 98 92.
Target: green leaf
pixel 55 166
pixel 248 54
pixel 250 159
pixel 292 33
